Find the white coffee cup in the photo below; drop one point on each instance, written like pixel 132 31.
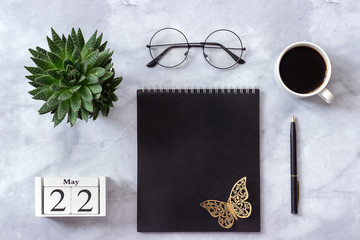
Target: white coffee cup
pixel 322 91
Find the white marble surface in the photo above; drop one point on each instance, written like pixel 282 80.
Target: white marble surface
pixel 328 135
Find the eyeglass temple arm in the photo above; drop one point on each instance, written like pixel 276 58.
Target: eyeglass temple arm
pixel 232 55
pixel 155 60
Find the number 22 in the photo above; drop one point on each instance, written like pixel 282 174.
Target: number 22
pixel 82 209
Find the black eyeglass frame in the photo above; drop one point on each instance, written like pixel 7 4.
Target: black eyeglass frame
pixel 188 45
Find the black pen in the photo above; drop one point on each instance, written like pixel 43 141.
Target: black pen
pixel 293 169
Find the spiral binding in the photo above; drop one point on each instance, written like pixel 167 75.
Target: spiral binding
pixel 199 89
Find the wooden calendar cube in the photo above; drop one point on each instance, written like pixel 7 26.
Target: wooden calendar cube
pixel 70 197
pixel 57 200
pixel 85 200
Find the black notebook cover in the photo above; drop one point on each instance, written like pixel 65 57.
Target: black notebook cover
pixel 193 146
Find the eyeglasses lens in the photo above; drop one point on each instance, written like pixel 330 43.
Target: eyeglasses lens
pixel 169 47
pixel 217 47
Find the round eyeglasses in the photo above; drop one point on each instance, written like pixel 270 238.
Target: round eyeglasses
pixel 169 48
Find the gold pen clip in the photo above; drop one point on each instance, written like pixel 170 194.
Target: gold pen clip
pixel 298 192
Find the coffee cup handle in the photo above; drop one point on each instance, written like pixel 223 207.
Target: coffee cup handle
pixel 327 96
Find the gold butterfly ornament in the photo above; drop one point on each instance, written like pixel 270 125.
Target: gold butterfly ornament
pixel 235 207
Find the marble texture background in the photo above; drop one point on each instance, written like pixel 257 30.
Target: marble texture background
pixel 328 135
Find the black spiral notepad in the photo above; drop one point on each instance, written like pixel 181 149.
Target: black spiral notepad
pixel 198 160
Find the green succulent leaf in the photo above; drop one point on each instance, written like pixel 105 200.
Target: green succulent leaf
pixel 82 79
pixel 57 120
pixel 37 90
pixel 98 41
pixel 74 38
pixel 103 46
pixel 91 79
pixel 89 46
pixel 57 40
pixel 39 55
pixel 63 74
pixel 42 64
pixel 113 97
pixel 95 113
pixel 72 117
pixel 75 102
pixel 54 73
pixel 53 101
pixel 77 64
pixel 36 54
pixel 98 71
pixel 76 55
pixel 108 66
pixel 34 84
pixel 67 62
pixel 75 88
pixel 83 67
pixel 115 82
pixel 97 96
pixel 91 58
pixel 104 110
pixel 41 50
pixel 86 94
pixel 107 62
pixel 63 84
pixel 63 38
pixel 46 108
pixel 53 47
pixel 55 87
pixel 35 70
pixel 45 80
pixel 95 89
pixel 80 38
pixel 69 47
pixel 43 95
pixel 103 56
pixel 65 95
pixel 72 82
pixel 87 105
pixel 63 109
pixel 84 114
pixel 107 76
pixel 56 60
pixel 34 76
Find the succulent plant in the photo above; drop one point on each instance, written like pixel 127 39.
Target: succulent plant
pixel 74 78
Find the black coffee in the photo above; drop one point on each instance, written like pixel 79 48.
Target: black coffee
pixel 302 69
